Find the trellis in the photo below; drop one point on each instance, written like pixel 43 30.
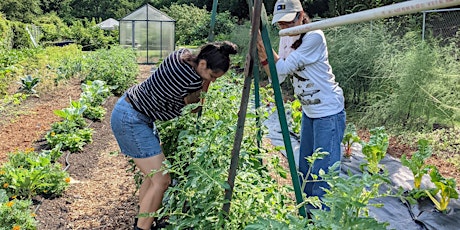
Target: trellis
pixel 259 24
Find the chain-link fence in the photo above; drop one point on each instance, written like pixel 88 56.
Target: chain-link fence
pixel 443 24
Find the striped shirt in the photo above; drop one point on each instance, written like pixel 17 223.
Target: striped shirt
pixel 161 96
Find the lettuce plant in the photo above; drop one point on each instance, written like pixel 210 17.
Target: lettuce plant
pixel 376 149
pixel 350 138
pixel 417 162
pixel 445 187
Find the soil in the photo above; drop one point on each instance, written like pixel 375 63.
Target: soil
pixel 102 194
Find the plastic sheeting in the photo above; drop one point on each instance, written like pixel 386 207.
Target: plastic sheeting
pixel 398 214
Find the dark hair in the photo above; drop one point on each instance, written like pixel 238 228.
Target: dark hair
pixel 298 42
pixel 216 55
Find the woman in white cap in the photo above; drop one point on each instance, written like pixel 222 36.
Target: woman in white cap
pixel 306 62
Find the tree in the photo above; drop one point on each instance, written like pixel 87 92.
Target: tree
pixel 20 10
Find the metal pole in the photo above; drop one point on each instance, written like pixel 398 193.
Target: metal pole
pixel 423 26
pixel 282 117
pixel 243 105
pixel 213 21
pixel 402 8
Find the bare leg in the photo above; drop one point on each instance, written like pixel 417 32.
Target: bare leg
pixel 152 189
pixel 146 183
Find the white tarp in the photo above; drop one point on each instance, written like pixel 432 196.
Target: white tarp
pixel 398 214
pixel 109 24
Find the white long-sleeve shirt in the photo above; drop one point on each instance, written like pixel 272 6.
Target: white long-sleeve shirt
pixel 313 80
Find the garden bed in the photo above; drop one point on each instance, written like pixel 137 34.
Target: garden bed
pixel 102 192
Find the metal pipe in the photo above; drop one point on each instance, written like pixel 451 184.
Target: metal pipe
pixel 402 8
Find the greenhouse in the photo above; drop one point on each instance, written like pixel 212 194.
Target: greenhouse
pixel 150 32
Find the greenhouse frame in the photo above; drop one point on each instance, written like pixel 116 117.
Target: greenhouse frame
pixel 152 31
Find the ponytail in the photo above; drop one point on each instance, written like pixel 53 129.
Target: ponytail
pixel 298 42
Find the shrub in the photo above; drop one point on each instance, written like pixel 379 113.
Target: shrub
pixel 52 28
pixel 28 173
pixel 116 66
pixel 16 214
pixel 21 38
pixel 192 23
pixel 6 33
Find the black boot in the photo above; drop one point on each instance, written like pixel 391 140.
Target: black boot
pixel 160 224
pixel 135 224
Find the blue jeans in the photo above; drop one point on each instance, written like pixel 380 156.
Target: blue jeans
pixel 136 133
pixel 325 133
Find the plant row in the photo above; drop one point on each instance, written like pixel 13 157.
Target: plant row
pixel 28 174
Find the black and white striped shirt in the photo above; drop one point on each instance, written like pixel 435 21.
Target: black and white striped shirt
pixel 161 96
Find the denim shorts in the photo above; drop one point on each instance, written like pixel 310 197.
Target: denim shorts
pixel 136 133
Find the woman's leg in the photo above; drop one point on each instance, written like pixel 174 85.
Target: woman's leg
pixel 146 183
pixel 152 189
pixel 327 134
pixel 306 149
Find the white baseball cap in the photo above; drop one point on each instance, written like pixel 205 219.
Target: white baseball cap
pixel 286 10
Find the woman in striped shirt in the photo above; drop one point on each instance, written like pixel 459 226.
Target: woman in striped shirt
pixel 178 81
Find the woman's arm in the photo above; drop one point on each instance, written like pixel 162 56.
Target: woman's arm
pixel 195 96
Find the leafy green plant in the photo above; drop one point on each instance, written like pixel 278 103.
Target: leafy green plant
pixel 375 150
pixel 116 66
pixel 72 132
pixel 16 214
pixel 94 93
pixel 14 99
pixel 200 173
pixel 28 84
pixel 350 138
pixel 295 107
pixel 417 162
pixel 95 113
pixel 73 140
pixel 27 173
pixel 445 187
pixel 74 113
pixel 348 199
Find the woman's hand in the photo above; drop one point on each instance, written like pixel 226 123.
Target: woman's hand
pixel 192 97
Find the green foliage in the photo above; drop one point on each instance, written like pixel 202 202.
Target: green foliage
pixel 295 108
pixel 28 84
pixel 116 66
pixel 27 173
pixel 20 10
pixel 9 65
pixel 348 199
pixel 52 28
pixel 192 23
pixel 375 150
pixel 350 137
pixel 14 99
pixel 6 33
pixel 74 140
pixel 356 52
pixel 21 38
pixel 198 155
pixel 291 223
pixel 445 187
pixel 93 95
pixel 94 92
pixel 72 132
pixel 101 9
pixel 16 214
pixel 87 34
pixel 417 163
